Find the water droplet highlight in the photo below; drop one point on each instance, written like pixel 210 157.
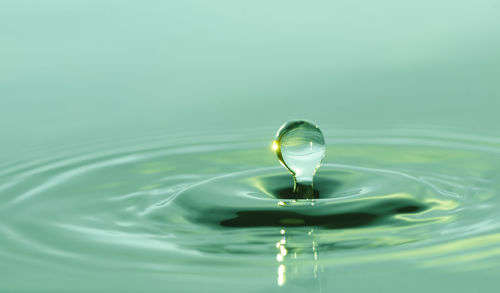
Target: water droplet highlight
pixel 300 147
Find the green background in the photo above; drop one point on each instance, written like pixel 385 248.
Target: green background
pixel 79 69
pixel 76 72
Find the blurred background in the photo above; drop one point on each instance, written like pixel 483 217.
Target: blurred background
pixel 76 70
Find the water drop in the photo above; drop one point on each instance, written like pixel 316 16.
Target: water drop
pixel 300 147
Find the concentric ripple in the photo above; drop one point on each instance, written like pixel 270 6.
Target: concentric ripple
pixel 180 204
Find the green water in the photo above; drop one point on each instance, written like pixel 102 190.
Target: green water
pixel 135 146
pixel 191 212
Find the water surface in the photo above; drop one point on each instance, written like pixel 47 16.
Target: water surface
pixel 180 213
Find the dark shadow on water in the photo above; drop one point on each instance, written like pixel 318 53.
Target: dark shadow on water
pixel 349 215
pixel 293 219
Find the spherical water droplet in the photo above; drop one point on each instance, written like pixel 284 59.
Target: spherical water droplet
pixel 300 147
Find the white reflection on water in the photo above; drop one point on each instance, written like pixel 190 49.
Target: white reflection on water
pixel 297 262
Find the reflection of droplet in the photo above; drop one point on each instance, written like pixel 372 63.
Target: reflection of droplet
pixel 281 275
pixel 300 147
